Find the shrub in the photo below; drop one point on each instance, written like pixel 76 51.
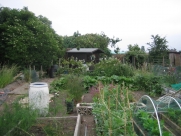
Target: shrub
pixel 72 85
pixel 148 82
pixel 112 66
pixel 15 120
pixel 7 74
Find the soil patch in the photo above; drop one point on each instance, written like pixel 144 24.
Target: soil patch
pixel 60 126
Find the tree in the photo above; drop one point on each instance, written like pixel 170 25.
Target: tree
pixel 27 39
pixel 158 48
pixel 135 55
pixel 100 41
pixel 114 40
pixel 113 43
pixel 134 48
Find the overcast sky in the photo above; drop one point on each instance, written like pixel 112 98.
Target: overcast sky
pixel 133 21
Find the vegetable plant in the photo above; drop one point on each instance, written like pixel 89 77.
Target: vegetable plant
pixel 150 124
pixel 174 115
pixel 113 112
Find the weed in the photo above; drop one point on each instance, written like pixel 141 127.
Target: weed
pixel 15 120
pixel 7 74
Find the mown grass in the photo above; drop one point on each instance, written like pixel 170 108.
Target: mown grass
pixel 7 74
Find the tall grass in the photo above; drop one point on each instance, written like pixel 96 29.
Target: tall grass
pixel 16 120
pixel 7 74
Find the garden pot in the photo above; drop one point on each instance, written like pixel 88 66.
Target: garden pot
pixel 39 97
pixel 70 106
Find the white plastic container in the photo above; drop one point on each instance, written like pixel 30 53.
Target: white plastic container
pixel 39 97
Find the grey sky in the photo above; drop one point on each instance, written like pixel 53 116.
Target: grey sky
pixel 133 21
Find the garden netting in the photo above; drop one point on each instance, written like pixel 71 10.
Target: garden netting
pixel 176 86
pixel 160 105
pixel 160 70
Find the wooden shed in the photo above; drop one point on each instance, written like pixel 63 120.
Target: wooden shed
pixel 87 54
pixel 175 58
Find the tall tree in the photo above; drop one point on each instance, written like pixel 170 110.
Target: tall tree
pixel 158 47
pixel 87 41
pixel 135 55
pixel 27 39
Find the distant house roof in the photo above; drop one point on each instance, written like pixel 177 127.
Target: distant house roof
pixel 85 50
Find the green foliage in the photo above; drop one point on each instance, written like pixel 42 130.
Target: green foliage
pixel 169 79
pixel 150 124
pixel 112 111
pixel 71 66
pixel 7 74
pixel 72 85
pixel 30 75
pixel 148 82
pixel 17 119
pixel 58 85
pixel 112 66
pixel 27 75
pixel 100 41
pixel 89 81
pixel 27 39
pixel 135 55
pixel 169 75
pixel 174 115
pixel 57 107
pixel 158 48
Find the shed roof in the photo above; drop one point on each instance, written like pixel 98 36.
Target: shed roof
pixel 85 50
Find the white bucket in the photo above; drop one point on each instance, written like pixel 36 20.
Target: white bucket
pixel 39 97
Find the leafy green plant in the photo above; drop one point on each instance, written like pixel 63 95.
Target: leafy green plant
pixel 58 85
pixel 74 86
pixel 71 66
pixel 27 75
pixel 112 111
pixel 112 66
pixel 71 84
pixel 174 115
pixel 149 123
pixel 7 74
pixel 148 82
pixel 89 81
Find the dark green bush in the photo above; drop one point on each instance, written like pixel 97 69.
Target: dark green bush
pixel 148 83
pixel 111 67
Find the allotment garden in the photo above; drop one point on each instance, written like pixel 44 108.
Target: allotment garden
pixel 127 101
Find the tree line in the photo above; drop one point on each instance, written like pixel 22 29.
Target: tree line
pixel 27 39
